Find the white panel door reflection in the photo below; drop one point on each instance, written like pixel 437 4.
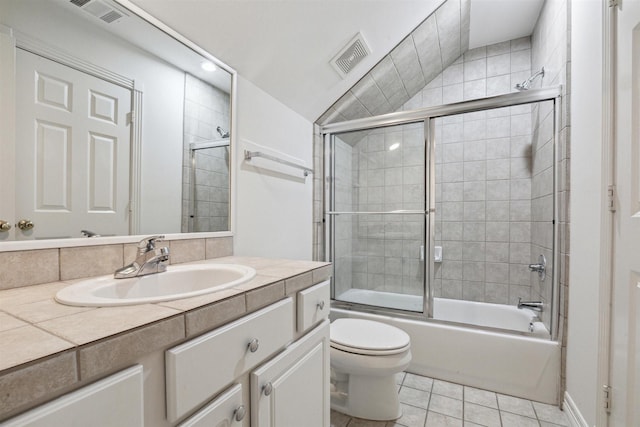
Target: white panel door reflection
pixel 72 151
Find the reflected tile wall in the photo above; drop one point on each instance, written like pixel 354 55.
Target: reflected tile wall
pixel 206 108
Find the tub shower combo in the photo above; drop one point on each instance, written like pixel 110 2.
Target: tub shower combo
pixel 442 221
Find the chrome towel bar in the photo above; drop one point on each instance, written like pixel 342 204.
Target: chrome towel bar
pixel 248 155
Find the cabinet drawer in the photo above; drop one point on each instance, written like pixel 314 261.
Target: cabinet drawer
pixel 226 410
pixel 113 401
pixel 197 370
pixel 313 305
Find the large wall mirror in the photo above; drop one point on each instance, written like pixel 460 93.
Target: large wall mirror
pixel 109 125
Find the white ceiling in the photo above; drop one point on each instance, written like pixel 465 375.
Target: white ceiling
pixel 493 20
pixel 284 46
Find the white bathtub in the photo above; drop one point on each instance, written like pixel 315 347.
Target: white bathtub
pixel 519 365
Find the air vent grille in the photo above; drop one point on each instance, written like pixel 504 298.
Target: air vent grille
pixel 354 52
pixel 80 3
pixel 109 17
pixel 99 9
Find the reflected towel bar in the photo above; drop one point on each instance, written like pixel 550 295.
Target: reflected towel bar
pixel 248 155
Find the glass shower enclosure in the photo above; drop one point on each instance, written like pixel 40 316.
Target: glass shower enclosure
pixel 454 202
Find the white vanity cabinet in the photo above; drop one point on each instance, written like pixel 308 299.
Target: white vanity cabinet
pixel 113 401
pixel 289 388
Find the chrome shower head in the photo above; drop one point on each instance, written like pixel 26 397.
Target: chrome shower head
pixel 223 133
pixel 525 85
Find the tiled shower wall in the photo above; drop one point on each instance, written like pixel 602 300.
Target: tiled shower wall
pixel 205 108
pixel 483 205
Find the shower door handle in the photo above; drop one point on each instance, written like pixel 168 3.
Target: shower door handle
pixel 422 253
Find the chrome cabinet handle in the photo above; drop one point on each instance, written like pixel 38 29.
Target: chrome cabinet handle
pixel 25 224
pixel 320 305
pixel 253 345
pixel 239 413
pixel 267 389
pixel 4 226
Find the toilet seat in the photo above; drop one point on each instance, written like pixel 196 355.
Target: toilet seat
pixel 367 337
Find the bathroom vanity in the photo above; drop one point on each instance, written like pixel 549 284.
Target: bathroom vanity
pixel 254 355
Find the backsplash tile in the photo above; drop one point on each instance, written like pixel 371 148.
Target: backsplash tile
pixel 70 263
pixel 88 261
pixel 20 268
pixel 187 250
pixel 218 247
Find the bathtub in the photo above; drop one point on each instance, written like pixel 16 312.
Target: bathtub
pixel 522 365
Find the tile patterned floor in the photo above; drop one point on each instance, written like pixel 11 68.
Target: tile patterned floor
pixel 433 403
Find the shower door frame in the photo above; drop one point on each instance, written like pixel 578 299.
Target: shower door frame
pixel 426 115
pixel 193 147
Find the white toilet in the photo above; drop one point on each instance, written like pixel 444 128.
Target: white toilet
pixel 365 356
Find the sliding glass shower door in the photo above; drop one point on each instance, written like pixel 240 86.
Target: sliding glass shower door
pixel 377 216
pixel 449 211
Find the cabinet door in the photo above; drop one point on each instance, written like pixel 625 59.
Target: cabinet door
pixel 225 411
pixel 113 401
pixel 292 390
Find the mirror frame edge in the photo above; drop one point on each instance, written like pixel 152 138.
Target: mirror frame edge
pixel 14 245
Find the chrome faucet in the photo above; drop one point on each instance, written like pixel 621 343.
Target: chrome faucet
pixel 150 259
pixel 531 305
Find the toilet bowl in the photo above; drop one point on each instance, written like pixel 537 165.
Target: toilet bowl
pixel 365 356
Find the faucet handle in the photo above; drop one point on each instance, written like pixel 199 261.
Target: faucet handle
pixel 149 243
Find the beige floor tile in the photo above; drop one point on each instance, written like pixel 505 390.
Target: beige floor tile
pixel 418 382
pixel 400 377
pixel 448 389
pixel 513 420
pixel 516 405
pixel 446 405
pixel 550 413
pixel 481 415
pixel 357 422
pixel 435 419
pixel 412 416
pixel 339 419
pixel 414 397
pixel 480 397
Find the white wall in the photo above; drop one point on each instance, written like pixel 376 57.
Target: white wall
pixel 586 204
pixel 273 211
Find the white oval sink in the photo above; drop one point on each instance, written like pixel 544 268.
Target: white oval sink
pixel 177 282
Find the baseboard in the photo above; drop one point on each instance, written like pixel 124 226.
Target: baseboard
pixel 573 413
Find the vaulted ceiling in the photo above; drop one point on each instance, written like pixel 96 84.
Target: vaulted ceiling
pixel 285 46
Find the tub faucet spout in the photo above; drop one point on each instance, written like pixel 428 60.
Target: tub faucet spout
pixel 531 305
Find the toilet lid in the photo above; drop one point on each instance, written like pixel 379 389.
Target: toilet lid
pixel 368 337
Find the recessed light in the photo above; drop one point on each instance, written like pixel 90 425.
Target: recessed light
pixel 394 146
pixel 208 66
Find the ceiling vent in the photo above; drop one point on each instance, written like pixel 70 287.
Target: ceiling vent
pixel 100 9
pixel 350 55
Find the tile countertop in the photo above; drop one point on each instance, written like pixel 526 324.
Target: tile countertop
pixel 34 326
